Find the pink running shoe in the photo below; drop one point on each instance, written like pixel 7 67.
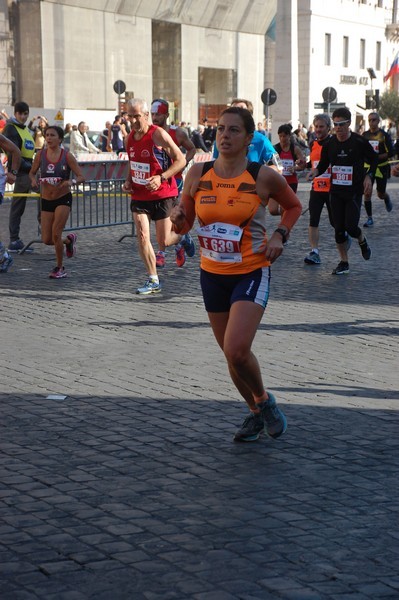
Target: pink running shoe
pixel 58 273
pixel 160 260
pixel 180 255
pixel 70 247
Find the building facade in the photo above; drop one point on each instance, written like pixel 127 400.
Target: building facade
pixel 68 53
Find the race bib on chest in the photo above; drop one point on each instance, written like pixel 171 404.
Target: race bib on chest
pixel 221 242
pixel 140 172
pixel 375 144
pixel 321 183
pixel 51 180
pixel 288 166
pixel 342 175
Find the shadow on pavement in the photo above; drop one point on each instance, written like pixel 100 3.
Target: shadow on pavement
pixel 126 497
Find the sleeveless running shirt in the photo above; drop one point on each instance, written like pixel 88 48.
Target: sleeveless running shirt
pixel 54 172
pixel 288 159
pixel 146 160
pixel 323 182
pixel 232 218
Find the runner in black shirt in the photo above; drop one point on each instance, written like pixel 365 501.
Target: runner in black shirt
pixel 383 147
pixel 347 152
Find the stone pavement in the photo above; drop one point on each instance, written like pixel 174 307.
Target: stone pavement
pixel 131 487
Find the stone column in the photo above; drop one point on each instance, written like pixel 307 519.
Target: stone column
pixel 286 108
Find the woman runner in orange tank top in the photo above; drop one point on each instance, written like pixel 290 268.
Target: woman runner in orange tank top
pixel 229 197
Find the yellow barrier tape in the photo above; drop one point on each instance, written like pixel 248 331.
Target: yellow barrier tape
pixel 33 195
pixel 12 194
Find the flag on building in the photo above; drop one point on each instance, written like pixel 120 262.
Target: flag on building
pixel 394 70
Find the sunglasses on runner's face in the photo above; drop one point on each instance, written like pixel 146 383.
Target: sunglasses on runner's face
pixel 340 123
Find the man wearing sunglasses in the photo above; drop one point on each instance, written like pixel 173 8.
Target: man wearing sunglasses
pixel 347 152
pixel 383 147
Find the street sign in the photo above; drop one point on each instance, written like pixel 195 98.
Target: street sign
pixel 324 105
pixel 268 96
pixel 119 87
pixel 329 94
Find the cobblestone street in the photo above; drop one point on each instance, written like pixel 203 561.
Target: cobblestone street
pixel 131 487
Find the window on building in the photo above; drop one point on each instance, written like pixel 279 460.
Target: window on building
pixel 362 64
pixel 378 57
pixel 327 49
pixel 216 87
pixel 166 78
pixel 345 51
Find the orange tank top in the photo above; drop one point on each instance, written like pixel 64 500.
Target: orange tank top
pixel 232 222
pixel 322 183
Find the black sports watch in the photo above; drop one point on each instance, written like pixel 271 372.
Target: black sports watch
pixel 163 178
pixel 283 233
pixel 14 172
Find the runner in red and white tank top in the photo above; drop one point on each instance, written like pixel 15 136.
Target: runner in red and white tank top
pixel 292 159
pixel 154 160
pixel 291 156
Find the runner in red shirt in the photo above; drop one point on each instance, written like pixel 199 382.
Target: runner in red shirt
pixel 154 159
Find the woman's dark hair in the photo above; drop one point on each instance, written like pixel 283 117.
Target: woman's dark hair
pixel 286 128
pixel 247 119
pixel 57 129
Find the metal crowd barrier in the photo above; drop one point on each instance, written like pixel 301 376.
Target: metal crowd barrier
pixel 95 204
pixel 97 167
pixel 100 201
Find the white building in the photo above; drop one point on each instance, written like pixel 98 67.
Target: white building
pixel 335 44
pixel 199 55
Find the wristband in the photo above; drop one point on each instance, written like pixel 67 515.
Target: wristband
pixel 283 234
